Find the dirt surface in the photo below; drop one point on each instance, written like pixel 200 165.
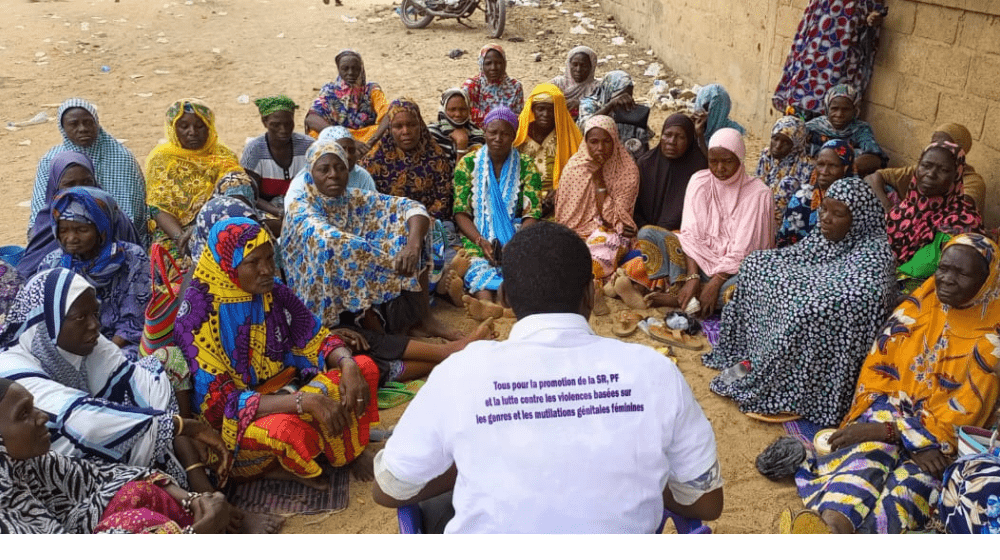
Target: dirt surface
pixel 156 52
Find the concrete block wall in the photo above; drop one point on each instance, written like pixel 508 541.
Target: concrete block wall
pixel 938 62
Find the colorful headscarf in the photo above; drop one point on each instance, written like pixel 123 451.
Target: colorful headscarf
pixel 847 91
pixel 237 183
pixel 213 212
pixel 913 222
pixel 275 103
pixel 484 95
pixel 442 129
pixel 96 207
pixel 797 164
pixel 424 174
pixel 934 365
pixel 573 90
pixel 503 113
pixel 445 98
pixel 568 137
pixel 714 99
pixel 348 105
pixel 576 198
pixel 180 181
pixel 959 134
pixel 613 83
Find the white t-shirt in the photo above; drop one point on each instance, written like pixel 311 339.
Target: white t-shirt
pixel 555 430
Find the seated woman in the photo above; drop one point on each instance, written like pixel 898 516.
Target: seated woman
pixel 357 177
pixel 234 306
pixel 100 404
pixel 785 157
pixel 69 169
pixel 354 251
pixel 90 245
pixel 614 98
pixel 113 166
pixel 664 174
pixel 492 87
pixel 727 216
pixel 11 282
pixel 408 162
pixel 596 195
pixel 712 106
pixel 931 370
pixel 497 191
pixel 835 161
pixel 934 209
pixel 181 174
pixel 547 134
pixel 805 317
pixel 892 185
pixel 578 81
pixel 273 158
pixel 45 492
pixel 350 101
pixel 454 130
pixel 841 123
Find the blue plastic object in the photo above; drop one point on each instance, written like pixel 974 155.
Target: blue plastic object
pixel 12 254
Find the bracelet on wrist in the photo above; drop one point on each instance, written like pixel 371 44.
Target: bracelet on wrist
pixel 180 425
pixel 191 497
pixel 189 530
pixel 298 403
pixel 890 433
pixel 194 466
pixel 687 277
pixel 342 358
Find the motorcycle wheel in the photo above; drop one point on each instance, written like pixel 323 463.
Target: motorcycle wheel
pixel 413 16
pixel 496 15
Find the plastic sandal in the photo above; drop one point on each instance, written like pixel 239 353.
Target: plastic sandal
pixel 626 323
pixel 674 337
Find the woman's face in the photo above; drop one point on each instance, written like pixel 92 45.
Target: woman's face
pixel 840 113
pixel 192 132
pixel 499 138
pixel 960 275
pixel 600 145
pixel 457 109
pixel 405 130
pixel 330 174
pixel 935 173
pixel 781 146
pixel 80 127
pixel 79 239
pixel 674 142
pixel 22 426
pixel 723 163
pixel 580 67
pixel 834 219
pixel 279 125
pixel 351 147
pixel 256 273
pixel 349 69
pixel 76 176
pixel 545 116
pixel 494 66
pixel 829 168
pixel 81 326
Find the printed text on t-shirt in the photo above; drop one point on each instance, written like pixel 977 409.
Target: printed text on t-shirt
pixel 563 397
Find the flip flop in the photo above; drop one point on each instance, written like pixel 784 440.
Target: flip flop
pixel 774 418
pixel 626 323
pixel 394 393
pixel 675 337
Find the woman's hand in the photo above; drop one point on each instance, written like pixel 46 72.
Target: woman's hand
pixel 487 249
pixel 211 513
pixel 932 462
pixel 354 391
pixel 353 339
pixel 700 120
pixel 874 19
pixel 623 101
pixel 406 260
pixel 460 137
pixel 628 230
pixel 688 291
pixel 710 296
pixel 858 432
pixel 328 412
pixel 205 434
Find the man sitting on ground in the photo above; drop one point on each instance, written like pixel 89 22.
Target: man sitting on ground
pixel 555 430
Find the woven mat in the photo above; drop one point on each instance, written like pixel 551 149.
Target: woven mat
pixel 290 496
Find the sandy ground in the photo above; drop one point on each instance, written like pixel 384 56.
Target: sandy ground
pixel 219 50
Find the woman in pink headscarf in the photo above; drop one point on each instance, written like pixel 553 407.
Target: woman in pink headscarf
pixel 596 195
pixel 727 216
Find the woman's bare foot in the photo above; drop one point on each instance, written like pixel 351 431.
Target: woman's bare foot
pixel 661 299
pixel 481 310
pixel 482 332
pixel 629 293
pixel 600 306
pixel 317 482
pixel 457 268
pixel 609 288
pixel 261 523
pixel 455 286
pixel 363 466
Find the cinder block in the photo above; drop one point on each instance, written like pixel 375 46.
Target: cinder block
pixel 987 163
pixel 787 21
pixel 882 90
pixel 901 18
pixel 980 32
pixel 946 66
pixel 984 76
pixel 905 53
pixel 991 128
pixel 887 125
pixel 966 110
pixel 918 99
pixel 937 23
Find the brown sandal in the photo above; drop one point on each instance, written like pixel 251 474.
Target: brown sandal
pixel 675 337
pixel 626 323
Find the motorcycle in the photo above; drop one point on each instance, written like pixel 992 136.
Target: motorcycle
pixel 417 14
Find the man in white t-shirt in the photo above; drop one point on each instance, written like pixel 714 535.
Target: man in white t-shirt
pixel 556 429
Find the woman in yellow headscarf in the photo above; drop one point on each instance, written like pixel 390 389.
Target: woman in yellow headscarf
pixel 181 174
pixel 930 371
pixel 548 135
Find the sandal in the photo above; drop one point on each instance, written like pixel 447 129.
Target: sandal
pixel 394 393
pixel 626 323
pixel 675 337
pixel 779 418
